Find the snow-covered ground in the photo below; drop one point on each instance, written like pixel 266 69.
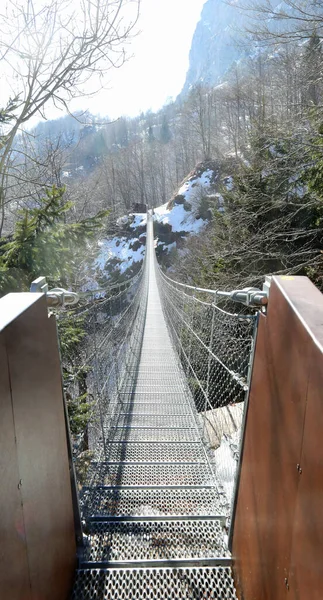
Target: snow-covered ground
pixel 139 220
pixel 182 213
pixel 226 463
pixel 121 249
pixel 124 250
pixel 178 218
pixel 195 187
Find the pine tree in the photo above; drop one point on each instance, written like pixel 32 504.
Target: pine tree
pixel 151 137
pixel 165 135
pixel 44 243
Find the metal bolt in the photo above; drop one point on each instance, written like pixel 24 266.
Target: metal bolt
pixel 286 583
pixel 299 468
pixel 19 484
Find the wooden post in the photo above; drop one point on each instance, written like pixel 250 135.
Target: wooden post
pixel 278 528
pixel 37 533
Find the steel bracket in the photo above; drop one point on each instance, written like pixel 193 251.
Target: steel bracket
pixel 56 297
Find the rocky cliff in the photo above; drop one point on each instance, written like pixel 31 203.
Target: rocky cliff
pixel 216 43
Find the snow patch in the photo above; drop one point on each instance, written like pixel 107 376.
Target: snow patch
pixel 169 247
pixel 226 462
pixel 90 285
pixel 228 183
pixel 178 218
pixel 122 221
pixel 120 248
pixel 193 189
pixel 133 220
pixel 186 214
pixel 220 202
pixel 139 220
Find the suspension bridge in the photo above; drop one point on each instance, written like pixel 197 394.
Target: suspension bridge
pixel 154 513
pixel 170 370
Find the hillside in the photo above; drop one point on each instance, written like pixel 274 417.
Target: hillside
pixel 120 256
pixel 220 40
pixel 185 215
pixel 188 212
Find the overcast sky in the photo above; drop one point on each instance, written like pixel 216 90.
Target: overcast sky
pixel 158 69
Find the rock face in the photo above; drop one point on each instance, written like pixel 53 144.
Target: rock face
pixel 220 40
pixel 215 43
pixel 190 210
pixel 121 256
pixel 187 213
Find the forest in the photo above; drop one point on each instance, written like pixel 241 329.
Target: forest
pixel 262 126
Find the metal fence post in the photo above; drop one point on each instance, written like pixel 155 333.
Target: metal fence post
pixel 242 437
pixel 97 377
pixel 209 358
pixel 191 335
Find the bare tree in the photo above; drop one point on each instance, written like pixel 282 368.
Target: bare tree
pixel 270 21
pixel 48 52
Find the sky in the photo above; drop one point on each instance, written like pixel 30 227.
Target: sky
pixel 154 74
pixel 158 68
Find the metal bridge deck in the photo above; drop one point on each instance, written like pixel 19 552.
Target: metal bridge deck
pixel 152 508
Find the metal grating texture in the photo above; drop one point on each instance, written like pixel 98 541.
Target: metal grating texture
pixel 155 540
pixel 215 346
pixel 150 497
pixel 146 434
pixel 113 320
pixel 154 408
pixel 159 502
pixel 161 452
pixel 165 584
pixel 149 475
pixel 153 420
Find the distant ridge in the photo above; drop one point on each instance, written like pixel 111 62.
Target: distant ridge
pixel 214 45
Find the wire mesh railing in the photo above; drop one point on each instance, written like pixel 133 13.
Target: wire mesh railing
pixel 215 346
pixel 214 343
pixel 100 345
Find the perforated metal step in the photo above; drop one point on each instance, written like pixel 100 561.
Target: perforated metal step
pixel 159 502
pixel 165 584
pixel 157 392
pixel 154 420
pixel 160 371
pixel 144 434
pixel 149 475
pixel 153 363
pixel 155 540
pixel 163 401
pixel 155 408
pixel 159 452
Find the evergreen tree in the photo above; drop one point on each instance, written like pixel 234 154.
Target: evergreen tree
pixel 165 135
pixel 44 243
pixel 151 137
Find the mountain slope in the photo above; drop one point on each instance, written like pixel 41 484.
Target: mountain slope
pixel 215 43
pixel 187 214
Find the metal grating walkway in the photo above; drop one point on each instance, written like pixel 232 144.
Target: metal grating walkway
pixel 151 506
